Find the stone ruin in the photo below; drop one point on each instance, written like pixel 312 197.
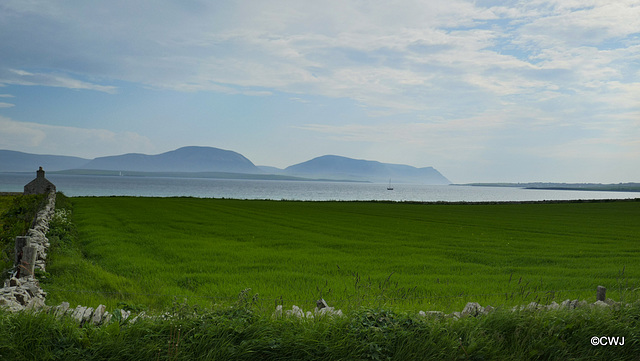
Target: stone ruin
pixel 40 185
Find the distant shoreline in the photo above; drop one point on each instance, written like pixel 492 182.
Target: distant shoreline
pixel 598 187
pixel 432 203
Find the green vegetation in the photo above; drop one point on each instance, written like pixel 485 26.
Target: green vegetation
pixel 238 333
pixel 391 259
pixel 17 212
pixel 141 253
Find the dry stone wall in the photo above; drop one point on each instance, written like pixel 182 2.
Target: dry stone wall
pixel 22 290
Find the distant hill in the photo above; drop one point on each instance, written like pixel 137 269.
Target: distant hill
pixel 186 159
pixel 12 161
pixel 337 167
pixel 270 169
pixel 220 163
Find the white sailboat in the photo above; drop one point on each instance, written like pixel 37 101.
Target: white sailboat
pixel 389 187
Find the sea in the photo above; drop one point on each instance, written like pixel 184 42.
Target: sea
pixel 88 185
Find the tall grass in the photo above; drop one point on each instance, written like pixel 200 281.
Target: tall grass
pixel 142 252
pixel 238 333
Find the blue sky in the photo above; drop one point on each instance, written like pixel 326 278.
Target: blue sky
pixel 511 91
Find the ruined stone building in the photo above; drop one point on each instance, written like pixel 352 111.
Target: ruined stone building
pixel 40 185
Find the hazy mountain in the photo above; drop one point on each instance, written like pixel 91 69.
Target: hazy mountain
pixel 336 167
pixel 12 161
pixel 213 160
pixel 270 169
pixel 186 159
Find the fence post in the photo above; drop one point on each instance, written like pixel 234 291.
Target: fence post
pixel 21 242
pixel 28 262
pixel 601 294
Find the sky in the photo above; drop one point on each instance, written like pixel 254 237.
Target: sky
pixel 484 91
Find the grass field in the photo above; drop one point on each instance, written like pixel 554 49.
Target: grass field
pixel 145 251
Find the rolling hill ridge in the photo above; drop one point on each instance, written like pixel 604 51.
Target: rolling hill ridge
pixel 12 161
pixel 337 167
pixel 186 159
pixel 195 159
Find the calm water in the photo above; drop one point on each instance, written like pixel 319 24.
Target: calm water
pixel 74 185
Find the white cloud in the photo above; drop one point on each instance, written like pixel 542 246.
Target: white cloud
pixel 453 139
pixel 585 23
pixel 383 55
pixel 21 77
pixel 441 74
pixel 62 140
pixel 6 105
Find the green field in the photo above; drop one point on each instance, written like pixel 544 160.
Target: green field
pixel 147 251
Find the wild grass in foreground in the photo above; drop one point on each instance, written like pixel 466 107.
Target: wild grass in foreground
pixel 238 333
pixel 140 253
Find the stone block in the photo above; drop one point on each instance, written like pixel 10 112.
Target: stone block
pixel 107 317
pixel 472 309
pixel 98 314
pixel 532 306
pixel 21 298
pixel 553 306
pixel 32 289
pixel 610 302
pixel 138 316
pixel 295 311
pixel 432 314
pixel 455 315
pixel 125 314
pixel 601 293
pixel 79 313
pixel 86 316
pixel 35 304
pixel 61 309
pixel 600 304
pixel 321 303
